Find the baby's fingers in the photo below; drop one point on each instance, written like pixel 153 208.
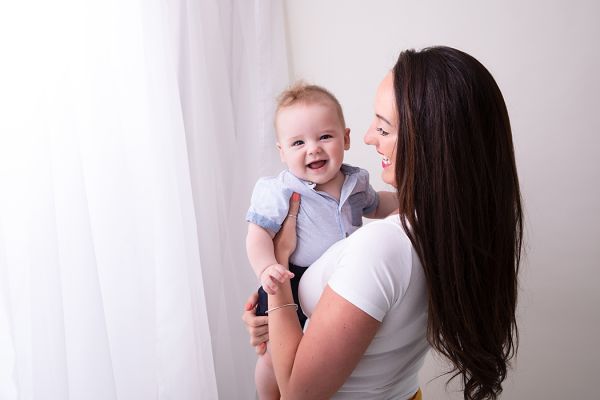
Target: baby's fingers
pixel 270 287
pixel 281 274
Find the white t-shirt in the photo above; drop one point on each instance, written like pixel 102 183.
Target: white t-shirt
pixel 377 270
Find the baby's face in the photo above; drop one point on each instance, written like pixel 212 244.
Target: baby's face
pixel 312 140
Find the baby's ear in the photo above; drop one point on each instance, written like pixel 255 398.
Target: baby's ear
pixel 281 155
pixel 347 139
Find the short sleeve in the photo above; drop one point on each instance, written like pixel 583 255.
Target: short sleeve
pixel 371 200
pixel 369 197
pixel 374 281
pixel 269 204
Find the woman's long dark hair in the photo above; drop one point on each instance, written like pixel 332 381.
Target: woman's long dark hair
pixel 459 193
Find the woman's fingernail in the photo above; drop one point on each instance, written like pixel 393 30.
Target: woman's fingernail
pixel 296 196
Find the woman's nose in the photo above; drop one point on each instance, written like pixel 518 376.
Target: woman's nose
pixel 369 137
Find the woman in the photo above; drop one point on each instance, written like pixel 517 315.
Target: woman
pixel 441 271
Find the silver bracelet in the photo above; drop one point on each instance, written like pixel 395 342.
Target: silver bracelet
pixel 293 216
pixel 285 305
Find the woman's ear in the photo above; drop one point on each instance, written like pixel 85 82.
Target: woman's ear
pixel 347 139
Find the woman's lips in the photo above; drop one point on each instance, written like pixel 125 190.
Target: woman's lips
pixel 386 162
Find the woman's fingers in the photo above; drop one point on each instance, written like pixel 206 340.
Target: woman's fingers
pixel 261 348
pixel 251 302
pixel 253 321
pixel 294 204
pixel 259 333
pixel 257 326
pixel 285 240
pixel 290 221
pixel 258 340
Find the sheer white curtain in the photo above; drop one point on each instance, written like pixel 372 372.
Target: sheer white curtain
pixel 131 133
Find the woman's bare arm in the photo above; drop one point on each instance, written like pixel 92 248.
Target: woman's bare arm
pixel 388 203
pixel 316 364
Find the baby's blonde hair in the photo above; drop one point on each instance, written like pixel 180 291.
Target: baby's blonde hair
pixel 304 93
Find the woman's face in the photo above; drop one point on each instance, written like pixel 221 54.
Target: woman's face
pixel 383 132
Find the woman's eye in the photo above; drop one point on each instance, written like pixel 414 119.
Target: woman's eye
pixel 324 137
pixel 298 143
pixel 382 132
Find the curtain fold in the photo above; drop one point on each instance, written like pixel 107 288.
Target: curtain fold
pixel 228 105
pixel 132 134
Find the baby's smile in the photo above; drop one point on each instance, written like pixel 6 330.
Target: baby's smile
pixel 317 164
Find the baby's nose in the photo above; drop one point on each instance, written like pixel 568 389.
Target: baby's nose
pixel 314 149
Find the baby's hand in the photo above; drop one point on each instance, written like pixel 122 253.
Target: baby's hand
pixel 273 276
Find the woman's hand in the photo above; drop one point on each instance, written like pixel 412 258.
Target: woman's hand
pixel 258 327
pixel 285 240
pixel 285 244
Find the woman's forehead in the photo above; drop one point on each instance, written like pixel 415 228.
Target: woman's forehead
pixel 385 100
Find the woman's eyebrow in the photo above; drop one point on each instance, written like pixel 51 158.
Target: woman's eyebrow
pixel 383 119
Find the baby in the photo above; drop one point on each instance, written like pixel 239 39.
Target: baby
pixel 311 138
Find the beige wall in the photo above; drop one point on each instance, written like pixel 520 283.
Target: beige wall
pixel 545 56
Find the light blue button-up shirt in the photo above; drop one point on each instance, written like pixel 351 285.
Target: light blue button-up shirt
pixel 322 220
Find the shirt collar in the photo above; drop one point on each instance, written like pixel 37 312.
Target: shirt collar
pixel 345 168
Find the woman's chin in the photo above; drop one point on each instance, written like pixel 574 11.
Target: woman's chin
pixel 389 178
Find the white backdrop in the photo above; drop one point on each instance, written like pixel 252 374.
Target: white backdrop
pixel 131 132
pixel 545 57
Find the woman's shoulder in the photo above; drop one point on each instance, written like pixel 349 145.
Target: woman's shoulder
pixel 374 267
pixel 382 245
pixel 385 234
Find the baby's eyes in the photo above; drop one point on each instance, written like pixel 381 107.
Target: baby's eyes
pixel 382 132
pixel 301 142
